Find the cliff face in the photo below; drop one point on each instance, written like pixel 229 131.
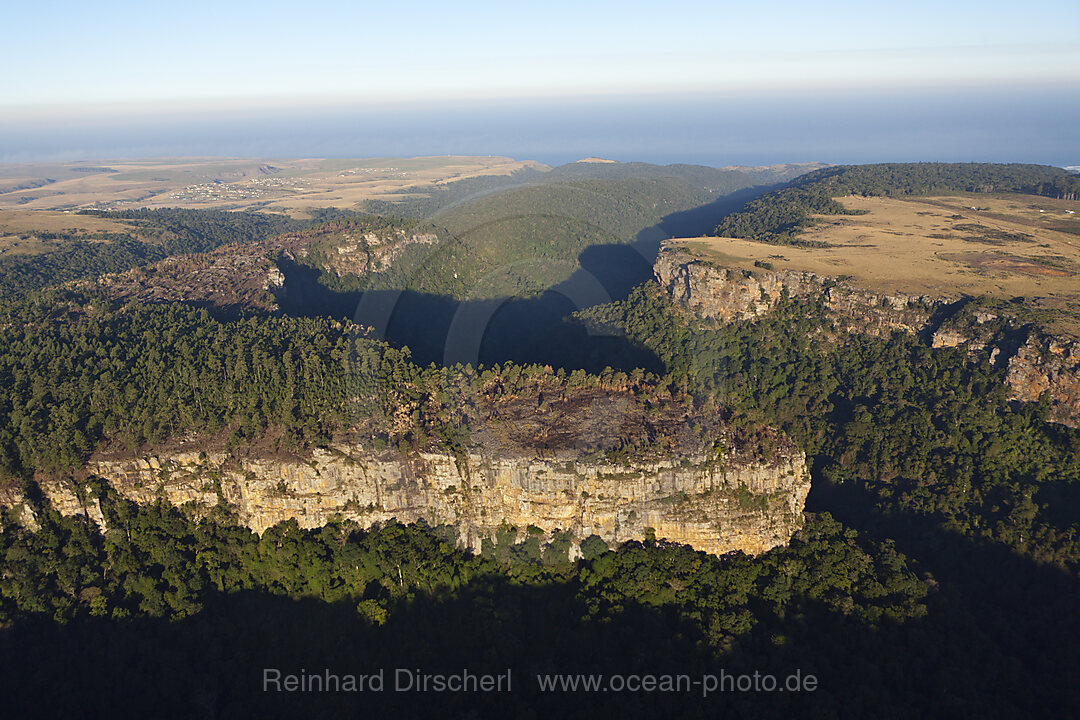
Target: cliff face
pixel 732 294
pixel 1047 365
pixel 246 275
pixel 1036 363
pixel 733 503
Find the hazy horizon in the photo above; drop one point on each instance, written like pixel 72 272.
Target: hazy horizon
pixel 714 83
pixel 984 124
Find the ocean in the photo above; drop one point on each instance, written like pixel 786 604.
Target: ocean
pixel 1038 124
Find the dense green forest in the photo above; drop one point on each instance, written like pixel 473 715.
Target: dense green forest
pixel 905 442
pixel 778 216
pixel 138 375
pixel 74 258
pixel 402 596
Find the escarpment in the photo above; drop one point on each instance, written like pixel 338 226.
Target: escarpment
pixel 248 276
pixel 583 460
pixel 718 507
pixel 1037 365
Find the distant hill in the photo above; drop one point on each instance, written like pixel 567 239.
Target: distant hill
pixel 774 174
pixel 533 236
pixel 530 227
pixel 534 224
pixel 719 181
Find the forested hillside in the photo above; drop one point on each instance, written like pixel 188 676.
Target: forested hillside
pixel 523 257
pixel 443 197
pixel 88 608
pixel 136 376
pixel 923 432
pixel 527 240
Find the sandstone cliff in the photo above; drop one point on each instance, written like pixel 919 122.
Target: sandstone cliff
pixel 1036 363
pixel 731 502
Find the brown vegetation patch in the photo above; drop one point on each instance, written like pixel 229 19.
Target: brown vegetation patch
pixel 594 419
pixel 1009 263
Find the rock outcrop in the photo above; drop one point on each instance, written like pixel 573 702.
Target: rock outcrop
pixel 1036 363
pixel 730 294
pixel 1051 366
pixel 729 503
pixel 249 275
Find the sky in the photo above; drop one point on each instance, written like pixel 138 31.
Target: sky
pixel 115 61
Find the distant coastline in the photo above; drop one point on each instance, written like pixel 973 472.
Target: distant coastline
pixel 988 125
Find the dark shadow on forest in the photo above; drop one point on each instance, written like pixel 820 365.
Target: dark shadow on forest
pixel 702 220
pixel 211 665
pixel 442 330
pixel 1027 613
pixel 987 649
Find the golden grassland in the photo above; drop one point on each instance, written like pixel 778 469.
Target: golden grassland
pixel 1001 246
pixel 19 229
pixel 291 186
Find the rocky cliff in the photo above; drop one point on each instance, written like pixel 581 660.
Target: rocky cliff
pixel 730 502
pixel 728 294
pixel 248 275
pixel 1036 363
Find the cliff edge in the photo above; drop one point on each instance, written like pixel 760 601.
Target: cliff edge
pixel 1037 364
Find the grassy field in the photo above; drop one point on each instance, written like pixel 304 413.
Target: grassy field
pixel 20 229
pixel 291 186
pixel 1003 246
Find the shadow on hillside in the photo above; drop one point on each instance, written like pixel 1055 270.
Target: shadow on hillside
pixel 1000 644
pixel 701 220
pixel 211 665
pixel 442 330
pixel 1011 619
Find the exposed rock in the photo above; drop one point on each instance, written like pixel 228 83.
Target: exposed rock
pixel 732 294
pixel 613 459
pixel 1036 363
pixel 11 498
pixel 1048 365
pixel 946 337
pixel 275 279
pixel 733 503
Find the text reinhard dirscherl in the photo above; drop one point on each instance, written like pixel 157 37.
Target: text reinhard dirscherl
pixel 409 680
pixel 402 680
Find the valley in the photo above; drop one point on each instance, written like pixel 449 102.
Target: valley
pixel 605 409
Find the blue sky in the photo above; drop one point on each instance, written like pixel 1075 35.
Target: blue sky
pixel 109 56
